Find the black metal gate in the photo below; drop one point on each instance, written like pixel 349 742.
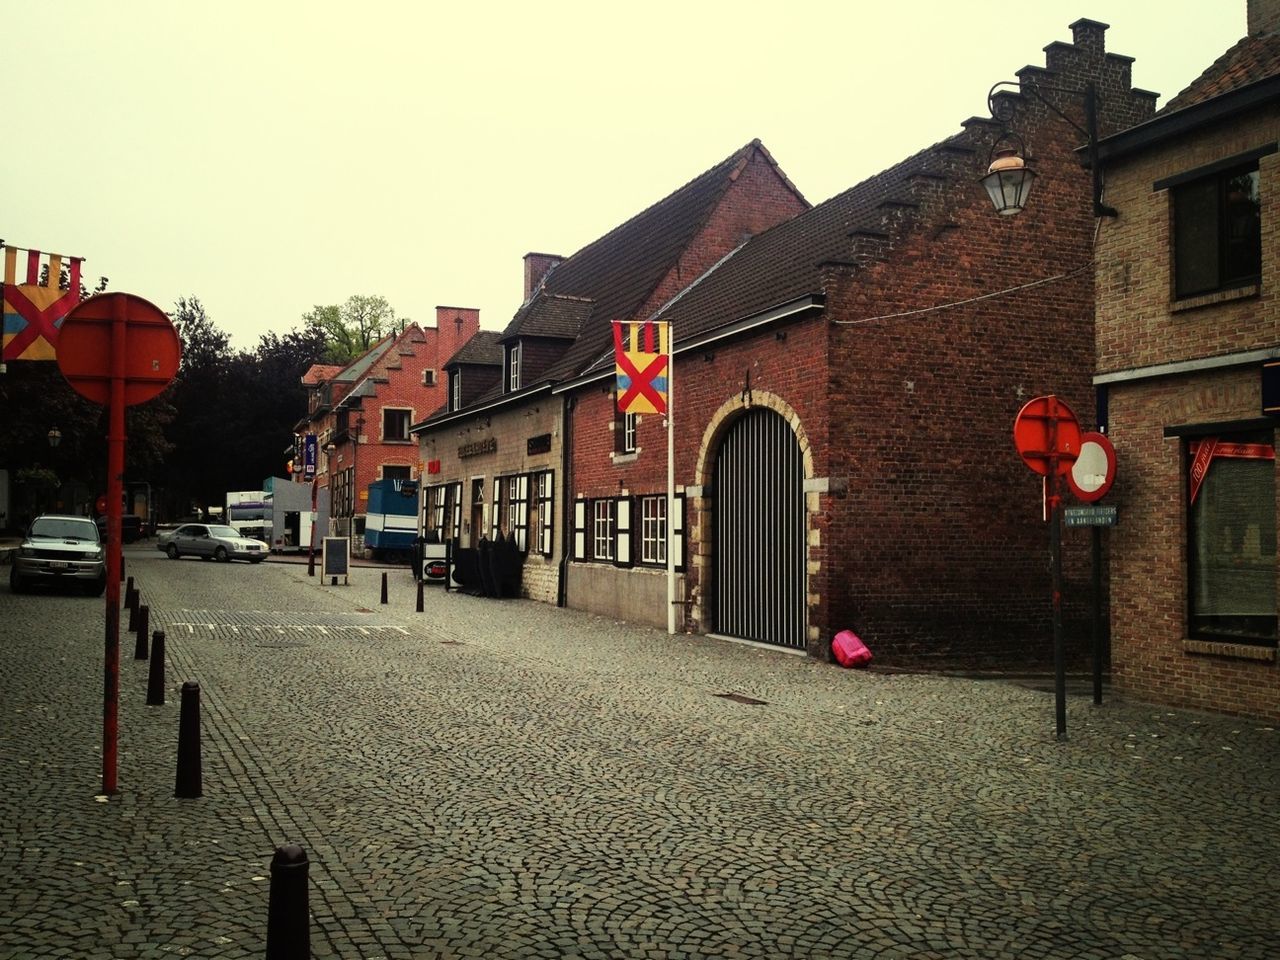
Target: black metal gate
pixel 760 543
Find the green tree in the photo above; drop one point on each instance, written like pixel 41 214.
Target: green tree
pixel 355 326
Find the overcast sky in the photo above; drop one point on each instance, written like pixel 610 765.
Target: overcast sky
pixel 269 156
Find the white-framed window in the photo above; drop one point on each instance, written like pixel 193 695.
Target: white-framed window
pixel 455 393
pixel 627 439
pixel 602 520
pixel 513 368
pixel 653 529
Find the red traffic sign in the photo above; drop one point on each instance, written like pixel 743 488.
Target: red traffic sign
pixel 1094 471
pixel 151 348
pixel 1046 431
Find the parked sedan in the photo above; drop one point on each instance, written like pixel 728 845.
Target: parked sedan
pixel 211 540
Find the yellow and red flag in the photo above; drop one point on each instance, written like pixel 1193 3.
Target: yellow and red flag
pixel 33 312
pixel 642 361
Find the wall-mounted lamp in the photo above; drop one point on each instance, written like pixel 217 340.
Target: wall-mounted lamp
pixel 1009 177
pixel 55 437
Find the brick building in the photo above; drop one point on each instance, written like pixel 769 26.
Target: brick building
pixel 361 412
pixel 846 378
pixel 845 388
pixel 1188 326
pixel 496 453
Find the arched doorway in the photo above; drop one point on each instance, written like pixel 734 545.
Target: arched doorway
pixel 760 546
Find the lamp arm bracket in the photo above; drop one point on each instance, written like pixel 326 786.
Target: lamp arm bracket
pixel 1002 108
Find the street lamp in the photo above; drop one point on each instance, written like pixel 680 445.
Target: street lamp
pixel 1009 177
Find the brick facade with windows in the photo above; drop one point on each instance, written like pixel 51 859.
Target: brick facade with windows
pixel 352 408
pixel 1181 362
pixel 889 329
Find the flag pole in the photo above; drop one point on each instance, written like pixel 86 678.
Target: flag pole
pixel 671 480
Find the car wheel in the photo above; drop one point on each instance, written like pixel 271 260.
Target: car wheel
pixel 95 588
pixel 16 583
pixel 221 555
pixel 172 551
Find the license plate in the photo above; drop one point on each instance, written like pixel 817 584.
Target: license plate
pixel 57 565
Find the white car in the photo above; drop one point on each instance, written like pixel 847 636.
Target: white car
pixel 211 540
pixel 60 549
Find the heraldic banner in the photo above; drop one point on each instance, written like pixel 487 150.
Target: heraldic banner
pixel 642 358
pixel 33 311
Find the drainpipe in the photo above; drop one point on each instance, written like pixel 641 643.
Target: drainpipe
pixel 566 523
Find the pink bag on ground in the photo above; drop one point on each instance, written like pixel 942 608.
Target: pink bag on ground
pixel 849 650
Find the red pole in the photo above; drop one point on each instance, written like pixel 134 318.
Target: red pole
pixel 1055 562
pixel 115 491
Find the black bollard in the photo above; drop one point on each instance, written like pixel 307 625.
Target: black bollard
pixel 122 568
pixel 419 607
pixel 384 586
pixel 288 914
pixel 155 673
pixel 128 592
pixel 144 624
pixel 188 781
pixel 133 616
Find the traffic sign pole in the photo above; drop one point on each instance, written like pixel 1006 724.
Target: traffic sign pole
pixel 116 350
pixel 115 493
pixel 1055 559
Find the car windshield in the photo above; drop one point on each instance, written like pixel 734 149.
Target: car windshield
pixel 66 528
pixel 220 530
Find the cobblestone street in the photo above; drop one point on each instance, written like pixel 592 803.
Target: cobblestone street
pixel 505 779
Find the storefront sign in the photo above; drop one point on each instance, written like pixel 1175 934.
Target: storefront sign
pixel 539 444
pixel 489 445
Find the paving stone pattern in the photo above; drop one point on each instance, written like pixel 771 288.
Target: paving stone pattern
pixel 504 779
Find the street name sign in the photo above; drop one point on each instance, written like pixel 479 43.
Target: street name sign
pixel 1099 516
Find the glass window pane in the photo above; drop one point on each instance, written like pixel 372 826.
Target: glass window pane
pixel 1242 241
pixel 1195 224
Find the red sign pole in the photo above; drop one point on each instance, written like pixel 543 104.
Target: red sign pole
pixel 1055 559
pixel 115 493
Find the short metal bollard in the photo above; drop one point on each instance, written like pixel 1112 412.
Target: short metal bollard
pixel 128 592
pixel 133 616
pixel 384 586
pixel 122 568
pixel 155 671
pixel 419 607
pixel 288 913
pixel 144 625
pixel 188 783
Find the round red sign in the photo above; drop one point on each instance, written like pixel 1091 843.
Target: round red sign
pixel 1046 430
pixel 151 348
pixel 1094 471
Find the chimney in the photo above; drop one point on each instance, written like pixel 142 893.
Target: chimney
pixel 536 268
pixel 1264 17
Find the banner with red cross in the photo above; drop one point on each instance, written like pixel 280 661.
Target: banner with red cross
pixel 34 311
pixel 642 359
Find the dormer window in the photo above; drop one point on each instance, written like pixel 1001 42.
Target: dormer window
pixel 513 368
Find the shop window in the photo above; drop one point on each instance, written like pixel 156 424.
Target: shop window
pixel 1217 227
pixel 1232 538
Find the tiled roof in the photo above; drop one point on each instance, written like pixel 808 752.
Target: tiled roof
pixel 320 372
pixel 550 315
pixel 786 261
pixel 1250 60
pixel 484 349
pixel 619 271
